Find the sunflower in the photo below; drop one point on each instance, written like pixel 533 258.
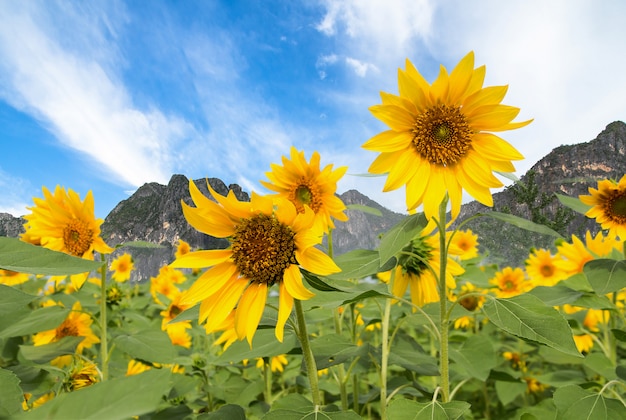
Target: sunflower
pixel 542 269
pixel 277 363
pixel 304 184
pixel 77 324
pixel 418 267
pixel 182 248
pixel 136 367
pixel 12 278
pixel 122 266
pixel 440 138
pixel 576 254
pixel 83 374
pixel 62 222
pixel 510 282
pixel 466 241
pixel 268 244
pixel 177 332
pixel 609 205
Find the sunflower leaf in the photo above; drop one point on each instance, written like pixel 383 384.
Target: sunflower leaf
pixel 317 283
pixel 521 223
pixel 365 209
pixel 47 352
pixel 605 275
pixel 150 345
pixel 573 203
pixel 12 394
pixel 526 316
pixel 16 255
pixel 400 235
pixel 34 321
pixel 357 264
pixel 434 410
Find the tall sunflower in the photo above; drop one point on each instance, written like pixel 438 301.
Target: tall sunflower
pixel 441 137
pixel 609 205
pixel 418 267
pixel 268 244
pixel 304 184
pixel 62 222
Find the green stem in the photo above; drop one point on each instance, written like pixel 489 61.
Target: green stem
pixel 307 354
pixel 385 350
pixel 341 371
pixel 267 374
pixel 443 310
pixel 104 343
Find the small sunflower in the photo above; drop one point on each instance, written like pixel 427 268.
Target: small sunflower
pixel 122 266
pixel 77 324
pixel 62 222
pixel 418 266
pixel 12 278
pixel 277 363
pixel 268 244
pixel 182 248
pixel 441 137
pixel 609 205
pixel 304 184
pixel 576 254
pixel 136 367
pixel 510 282
pixel 83 374
pixel 467 242
pixel 542 269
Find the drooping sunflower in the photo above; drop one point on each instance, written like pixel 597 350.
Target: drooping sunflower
pixel 609 205
pixel 62 222
pixel 304 184
pixel 441 137
pixel 122 266
pixel 542 270
pixel 418 267
pixel 268 244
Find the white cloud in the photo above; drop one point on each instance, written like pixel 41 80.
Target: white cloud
pixel 359 67
pixel 82 101
pixel 15 195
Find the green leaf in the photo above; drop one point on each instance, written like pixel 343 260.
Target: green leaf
pixel 40 319
pixel 521 223
pixel 317 283
pixel 477 357
pixel 23 257
pixel 606 276
pixel 12 299
pixel 575 403
pixel 227 412
pixel 118 398
pixel 601 365
pixel 365 209
pixel 556 295
pixel 526 316
pixel 47 352
pixel 12 395
pixel 333 349
pixel 573 203
pixel 264 344
pixel 296 402
pixel 190 314
pixel 399 236
pixel 286 414
pixel 434 410
pixel 620 335
pixel 150 345
pixel 366 295
pixel 509 391
pixel 357 264
pixel 140 244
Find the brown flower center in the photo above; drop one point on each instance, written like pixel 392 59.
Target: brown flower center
pixel 306 193
pixel 546 270
pixel 77 237
pixel 263 248
pixel 67 329
pixel 442 135
pixel 617 207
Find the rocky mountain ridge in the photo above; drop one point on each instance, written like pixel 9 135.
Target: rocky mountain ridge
pixel 153 213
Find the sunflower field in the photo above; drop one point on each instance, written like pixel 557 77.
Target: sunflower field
pixel 277 327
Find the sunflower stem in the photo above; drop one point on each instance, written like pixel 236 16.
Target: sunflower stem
pixel 385 350
pixel 443 309
pixel 267 374
pixel 307 353
pixel 104 344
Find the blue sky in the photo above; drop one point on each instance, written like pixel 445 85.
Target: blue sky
pixel 109 95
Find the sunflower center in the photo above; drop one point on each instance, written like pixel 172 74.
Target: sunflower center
pixel 442 135
pixel 546 270
pixel 67 329
pixel 415 257
pixel 263 248
pixel 77 237
pixel 617 206
pixel 306 193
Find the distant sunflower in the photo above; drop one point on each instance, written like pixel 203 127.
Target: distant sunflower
pixel 609 205
pixel 122 266
pixel 62 222
pixel 182 248
pixel 268 244
pixel 576 254
pixel 83 374
pixel 467 242
pixel 510 282
pixel 304 184
pixel 418 266
pixel 542 269
pixel 441 137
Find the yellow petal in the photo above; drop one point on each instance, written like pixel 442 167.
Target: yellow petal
pixel 460 78
pixel 285 305
pixel 315 261
pixel 212 221
pixel 250 310
pixel 293 283
pixel 395 117
pixel 495 148
pixel 227 298
pixel 402 171
pixel 400 283
pixel 200 259
pixel 209 283
pixel 388 141
pixel 492 117
pixel 490 95
pixel 411 89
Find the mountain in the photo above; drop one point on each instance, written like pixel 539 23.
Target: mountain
pixel 153 213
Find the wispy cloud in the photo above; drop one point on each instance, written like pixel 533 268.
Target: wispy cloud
pixel 15 194
pixel 61 82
